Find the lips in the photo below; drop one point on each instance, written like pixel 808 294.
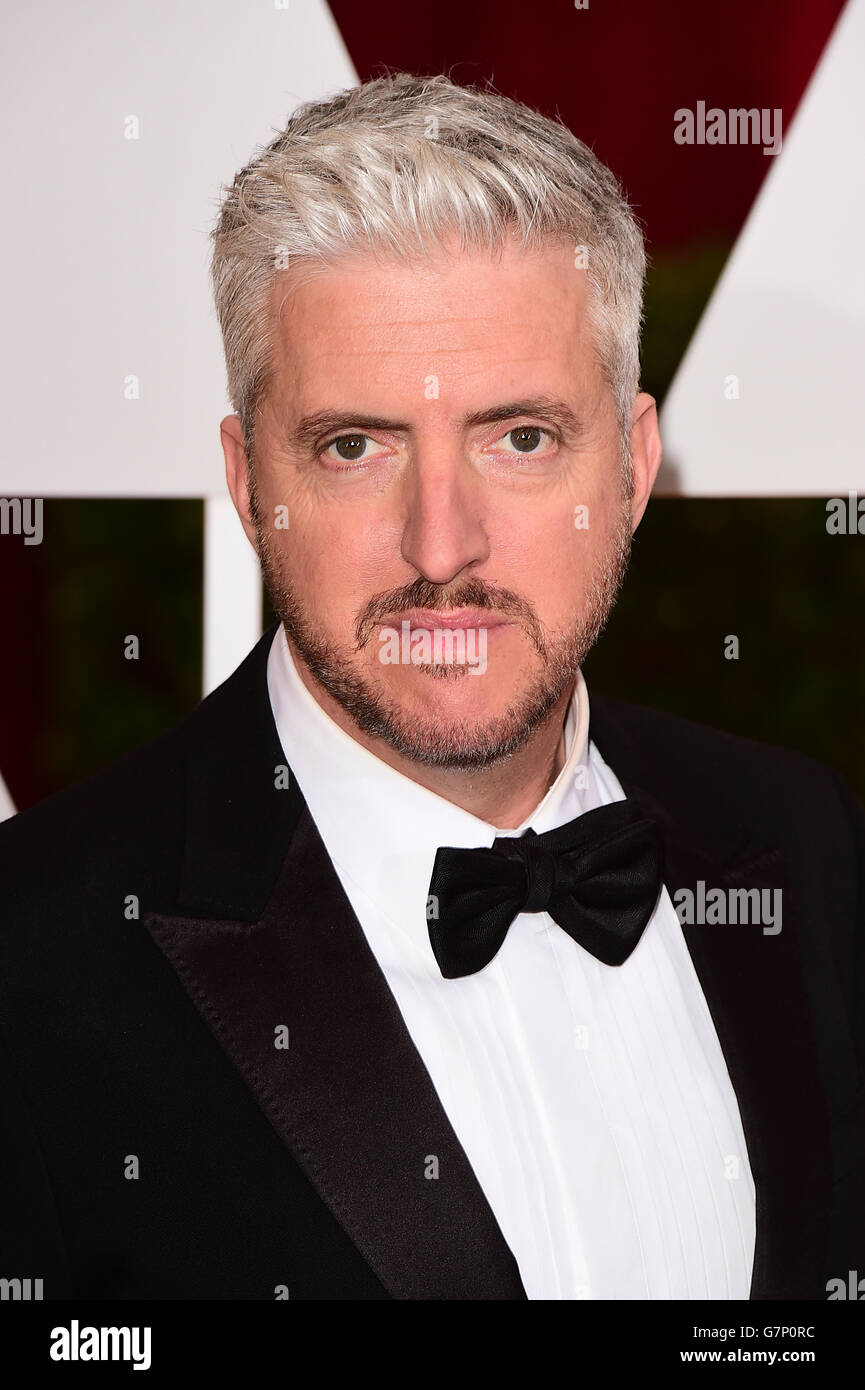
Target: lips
pixel 459 618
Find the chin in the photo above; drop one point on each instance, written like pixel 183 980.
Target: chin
pixel 443 691
pixel 439 739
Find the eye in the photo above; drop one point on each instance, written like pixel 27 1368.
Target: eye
pixel 350 448
pixel 524 439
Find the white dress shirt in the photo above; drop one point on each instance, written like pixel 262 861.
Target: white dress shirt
pixel 593 1102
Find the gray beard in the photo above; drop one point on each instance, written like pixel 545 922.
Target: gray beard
pixel 441 743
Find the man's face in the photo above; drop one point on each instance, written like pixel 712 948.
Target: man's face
pixel 438 446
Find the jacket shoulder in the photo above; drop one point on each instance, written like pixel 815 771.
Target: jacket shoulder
pixel 687 743
pixel 715 777
pixel 116 825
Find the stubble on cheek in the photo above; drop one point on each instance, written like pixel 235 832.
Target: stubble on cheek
pixel 431 738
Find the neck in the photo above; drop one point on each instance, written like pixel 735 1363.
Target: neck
pixel 502 795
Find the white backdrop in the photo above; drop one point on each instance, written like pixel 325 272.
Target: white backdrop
pixel 787 318
pixel 104 274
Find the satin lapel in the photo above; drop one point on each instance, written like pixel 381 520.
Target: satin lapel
pixel 755 990
pixel 349 1094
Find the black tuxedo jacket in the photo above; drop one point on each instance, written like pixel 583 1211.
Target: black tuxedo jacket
pixel 163 920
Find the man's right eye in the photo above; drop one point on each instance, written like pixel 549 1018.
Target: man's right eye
pixel 350 448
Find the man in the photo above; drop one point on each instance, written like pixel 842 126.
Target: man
pixel 399 970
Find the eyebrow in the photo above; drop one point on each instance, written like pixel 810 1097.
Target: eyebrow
pixel 311 428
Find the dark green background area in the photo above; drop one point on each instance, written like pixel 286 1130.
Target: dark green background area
pixel 765 570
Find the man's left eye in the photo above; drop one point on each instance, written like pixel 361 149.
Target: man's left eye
pixel 525 439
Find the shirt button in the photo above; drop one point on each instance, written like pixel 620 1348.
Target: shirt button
pixel 582 1291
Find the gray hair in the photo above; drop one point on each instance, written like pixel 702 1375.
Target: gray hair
pixel 399 163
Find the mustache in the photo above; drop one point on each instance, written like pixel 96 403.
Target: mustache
pixel 437 598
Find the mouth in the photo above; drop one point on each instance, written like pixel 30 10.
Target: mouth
pixel 456 620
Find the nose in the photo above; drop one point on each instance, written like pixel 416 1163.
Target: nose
pixel 443 531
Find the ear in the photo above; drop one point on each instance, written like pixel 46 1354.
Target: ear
pixel 646 453
pixel 237 472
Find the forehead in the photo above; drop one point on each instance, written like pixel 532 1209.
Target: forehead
pixel 516 320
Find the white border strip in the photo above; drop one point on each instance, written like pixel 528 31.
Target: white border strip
pixel 232 593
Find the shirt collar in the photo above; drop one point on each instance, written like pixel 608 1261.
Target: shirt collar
pixel 381 828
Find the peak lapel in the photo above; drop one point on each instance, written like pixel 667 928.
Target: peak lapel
pixel 280 947
pixel 755 989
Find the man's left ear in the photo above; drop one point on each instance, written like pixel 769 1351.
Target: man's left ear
pixel 646 450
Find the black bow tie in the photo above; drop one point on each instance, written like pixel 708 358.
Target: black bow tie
pixel 598 876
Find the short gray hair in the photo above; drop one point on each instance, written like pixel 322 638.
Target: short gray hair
pixel 403 162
